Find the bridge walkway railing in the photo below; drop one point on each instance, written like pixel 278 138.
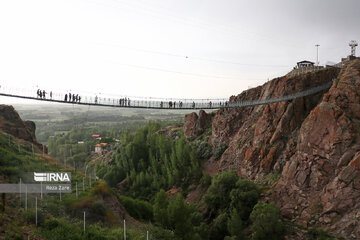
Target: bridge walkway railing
pixel 179 104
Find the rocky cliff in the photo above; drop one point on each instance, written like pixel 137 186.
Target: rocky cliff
pixel 311 143
pixel 11 123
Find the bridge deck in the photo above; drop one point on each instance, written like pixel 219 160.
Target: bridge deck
pixel 186 105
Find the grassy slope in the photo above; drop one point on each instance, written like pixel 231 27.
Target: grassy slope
pixel 58 219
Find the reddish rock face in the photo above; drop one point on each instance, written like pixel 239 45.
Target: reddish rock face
pixel 194 124
pixel 314 142
pixel 327 161
pixel 262 137
pixel 11 123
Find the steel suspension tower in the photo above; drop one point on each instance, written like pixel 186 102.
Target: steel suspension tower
pixel 353 45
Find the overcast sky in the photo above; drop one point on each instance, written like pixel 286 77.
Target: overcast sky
pixel 167 48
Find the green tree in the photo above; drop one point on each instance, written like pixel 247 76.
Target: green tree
pixel 179 217
pixel 160 208
pixel 244 197
pixel 218 194
pixel 219 229
pixel 235 225
pixel 266 222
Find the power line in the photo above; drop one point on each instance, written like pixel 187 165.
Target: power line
pixel 188 57
pixel 179 72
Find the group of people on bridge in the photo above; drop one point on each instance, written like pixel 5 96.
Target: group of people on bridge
pixel 42 94
pixel 72 98
pixel 125 102
pixel 171 104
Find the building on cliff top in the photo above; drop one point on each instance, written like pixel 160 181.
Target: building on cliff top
pixel 304 67
pixel 305 63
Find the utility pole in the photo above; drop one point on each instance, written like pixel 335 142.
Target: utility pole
pixel 20 191
pixel 124 230
pixel 84 221
pixel 317 54
pixel 36 215
pixel 25 197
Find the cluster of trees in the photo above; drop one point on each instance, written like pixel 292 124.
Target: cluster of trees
pixel 65 148
pixel 233 208
pixel 184 219
pixel 232 211
pixel 150 161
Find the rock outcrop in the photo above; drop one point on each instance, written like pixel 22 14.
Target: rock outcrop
pixel 194 124
pixel 11 123
pixel 320 183
pixel 312 143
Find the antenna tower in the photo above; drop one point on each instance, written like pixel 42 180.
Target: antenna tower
pixel 353 45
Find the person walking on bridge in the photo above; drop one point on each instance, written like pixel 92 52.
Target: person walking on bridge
pixel 51 95
pixel 96 99
pixel 65 99
pixel 70 97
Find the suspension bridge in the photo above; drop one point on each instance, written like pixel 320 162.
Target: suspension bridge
pixel 152 103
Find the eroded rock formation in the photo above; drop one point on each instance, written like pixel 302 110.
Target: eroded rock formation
pixel 312 143
pixel 11 123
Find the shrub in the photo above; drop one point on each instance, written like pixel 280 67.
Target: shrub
pixel 30 217
pixel 205 180
pixel 160 208
pixel 318 234
pixel 266 222
pixel 101 189
pixel 18 236
pixel 244 197
pixel 98 209
pixel 219 150
pixel 62 229
pixel 137 208
pixel 219 228
pixel 218 194
pixel 203 150
pixel 51 224
pixel 235 225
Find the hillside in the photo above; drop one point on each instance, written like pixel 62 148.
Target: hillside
pixel 309 145
pixel 58 217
